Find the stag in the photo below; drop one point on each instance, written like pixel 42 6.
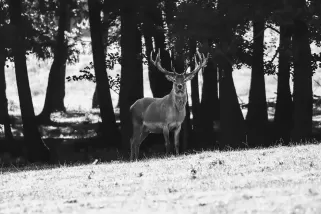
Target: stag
pixel 162 115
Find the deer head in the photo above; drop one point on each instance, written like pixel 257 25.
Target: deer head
pixel 179 80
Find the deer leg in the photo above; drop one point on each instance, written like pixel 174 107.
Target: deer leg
pixel 139 135
pixel 142 136
pixel 176 139
pixel 135 140
pixel 166 138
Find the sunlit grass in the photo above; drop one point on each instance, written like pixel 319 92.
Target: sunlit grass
pixel 274 180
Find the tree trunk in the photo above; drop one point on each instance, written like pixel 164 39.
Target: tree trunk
pixel 284 106
pixel 95 99
pixel 153 22
pixel 194 91
pixel 231 118
pixel 36 149
pixel 108 8
pixel 148 31
pixel 257 117
pixel 186 135
pixel 55 94
pixel 4 114
pixel 139 92
pixel 209 104
pixel 102 84
pixel 131 77
pixel 302 93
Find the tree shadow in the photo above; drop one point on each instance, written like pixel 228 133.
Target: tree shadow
pixel 74 138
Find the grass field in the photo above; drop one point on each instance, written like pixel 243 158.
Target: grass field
pixel 273 180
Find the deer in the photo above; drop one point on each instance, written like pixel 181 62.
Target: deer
pixel 162 115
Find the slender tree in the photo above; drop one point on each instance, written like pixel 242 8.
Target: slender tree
pixel 231 118
pixel 4 114
pixel 103 89
pixel 37 150
pixel 284 106
pixel 110 13
pixel 131 77
pixel 209 106
pixel 55 94
pixel 186 134
pixel 153 26
pixel 148 31
pixel 302 93
pixel 257 117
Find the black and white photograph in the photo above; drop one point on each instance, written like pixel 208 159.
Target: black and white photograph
pixel 160 106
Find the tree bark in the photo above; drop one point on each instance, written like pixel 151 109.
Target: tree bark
pixel 147 28
pixel 55 94
pixel 232 122
pixel 152 23
pixel 257 117
pixel 102 84
pixel 231 118
pixel 95 99
pixel 186 134
pixel 302 93
pixel 284 106
pixel 139 92
pixel 108 8
pixel 209 107
pixel 4 114
pixel 131 77
pixel 36 149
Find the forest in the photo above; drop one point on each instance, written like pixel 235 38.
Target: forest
pixel 108 43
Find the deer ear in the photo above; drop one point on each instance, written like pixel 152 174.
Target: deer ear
pixel 170 78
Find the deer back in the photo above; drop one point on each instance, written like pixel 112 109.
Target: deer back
pixel 139 107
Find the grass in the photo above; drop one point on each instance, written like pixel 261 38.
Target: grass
pixel 273 180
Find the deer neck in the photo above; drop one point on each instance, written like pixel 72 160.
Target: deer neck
pixel 179 100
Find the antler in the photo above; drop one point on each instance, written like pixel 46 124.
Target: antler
pixel 203 63
pixel 157 63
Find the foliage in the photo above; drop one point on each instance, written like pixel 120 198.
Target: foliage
pixel 41 26
pixel 203 20
pixel 114 82
pixel 111 61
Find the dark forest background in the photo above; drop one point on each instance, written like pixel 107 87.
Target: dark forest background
pixel 279 39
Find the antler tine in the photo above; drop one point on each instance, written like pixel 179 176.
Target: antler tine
pixel 173 68
pixel 157 63
pixel 203 63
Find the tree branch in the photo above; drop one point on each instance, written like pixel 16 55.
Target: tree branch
pixel 271 27
pixel 277 51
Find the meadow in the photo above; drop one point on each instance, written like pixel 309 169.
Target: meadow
pixel 272 180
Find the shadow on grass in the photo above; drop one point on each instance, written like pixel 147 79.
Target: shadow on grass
pixel 73 138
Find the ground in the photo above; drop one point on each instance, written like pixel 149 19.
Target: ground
pixel 273 180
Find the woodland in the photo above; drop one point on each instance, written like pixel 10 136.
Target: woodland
pixel 124 33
